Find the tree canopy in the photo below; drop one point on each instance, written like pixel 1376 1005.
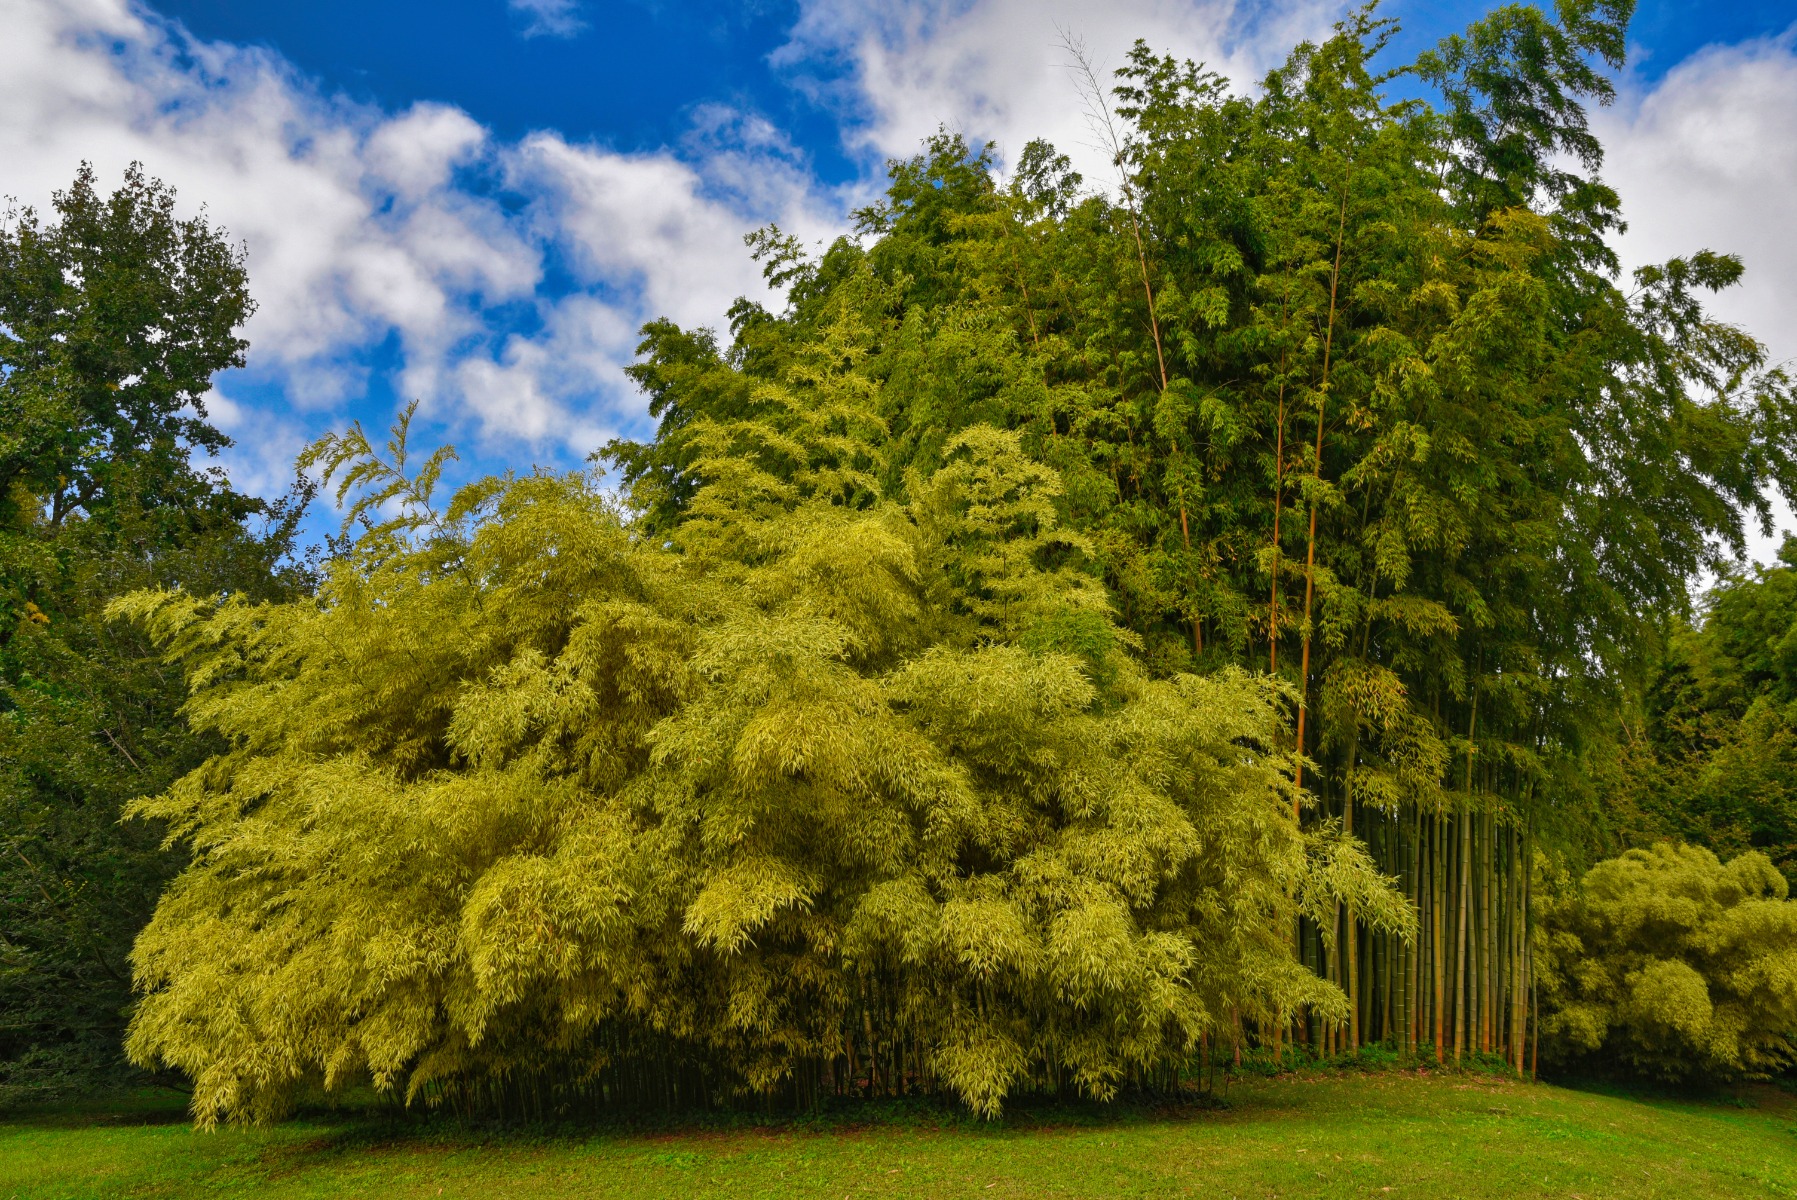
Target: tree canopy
pixel 1348 388
pixel 1668 962
pixel 1709 754
pixel 114 315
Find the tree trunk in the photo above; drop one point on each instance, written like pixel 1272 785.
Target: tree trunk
pixel 1460 945
pixel 1412 977
pixel 1488 1026
pixel 1350 936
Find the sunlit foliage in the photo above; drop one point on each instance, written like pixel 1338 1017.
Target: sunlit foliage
pixel 1671 963
pixel 1342 387
pixel 1711 755
pixel 114 314
pixel 831 781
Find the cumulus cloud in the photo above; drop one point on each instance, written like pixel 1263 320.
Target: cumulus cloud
pixel 523 387
pixel 268 440
pixel 549 18
pixel 1707 159
pixel 410 243
pixel 999 71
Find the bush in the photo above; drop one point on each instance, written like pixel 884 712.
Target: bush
pixel 819 795
pixel 1669 964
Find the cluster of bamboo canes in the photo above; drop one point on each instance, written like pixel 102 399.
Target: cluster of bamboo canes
pixel 1466 983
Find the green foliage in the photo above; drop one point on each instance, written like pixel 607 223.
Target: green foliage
pixel 1290 363
pixel 1713 757
pixel 1338 386
pixel 908 726
pixel 1668 963
pixel 89 719
pixel 112 321
pixel 828 783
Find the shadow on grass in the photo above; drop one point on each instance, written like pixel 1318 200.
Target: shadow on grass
pixel 384 1124
pixel 836 1116
pixel 134 1106
pixel 1770 1095
pixel 362 1120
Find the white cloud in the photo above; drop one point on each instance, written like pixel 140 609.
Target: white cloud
pixel 632 224
pixel 998 70
pixel 549 18
pixel 417 154
pixel 267 442
pixel 523 388
pixel 366 228
pixel 1707 159
pixel 351 229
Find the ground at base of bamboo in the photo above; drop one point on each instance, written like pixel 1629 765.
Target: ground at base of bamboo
pixel 1317 1134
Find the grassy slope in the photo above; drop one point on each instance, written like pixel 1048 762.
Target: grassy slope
pixel 1395 1135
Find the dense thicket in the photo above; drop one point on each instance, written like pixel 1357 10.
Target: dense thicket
pixel 1709 755
pixel 1014 662
pixel 1346 389
pixel 1668 963
pixel 113 318
pixel 827 787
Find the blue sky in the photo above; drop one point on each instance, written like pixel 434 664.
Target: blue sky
pixel 476 202
pixel 624 74
pixel 629 74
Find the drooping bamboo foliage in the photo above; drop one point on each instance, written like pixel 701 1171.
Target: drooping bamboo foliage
pixel 833 791
pixel 1676 965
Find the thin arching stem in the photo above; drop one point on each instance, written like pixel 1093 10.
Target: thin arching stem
pixel 1310 552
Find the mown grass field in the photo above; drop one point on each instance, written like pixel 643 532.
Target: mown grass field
pixel 1390 1135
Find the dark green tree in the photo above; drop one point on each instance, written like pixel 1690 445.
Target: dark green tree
pixel 114 317
pixel 1712 757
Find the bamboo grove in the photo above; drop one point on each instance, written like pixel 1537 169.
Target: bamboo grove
pixel 1089 631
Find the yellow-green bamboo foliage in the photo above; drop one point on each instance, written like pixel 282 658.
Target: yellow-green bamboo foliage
pixel 833 790
pixel 1671 963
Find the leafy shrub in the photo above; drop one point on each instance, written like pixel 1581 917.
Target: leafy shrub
pixel 1670 964
pixel 828 789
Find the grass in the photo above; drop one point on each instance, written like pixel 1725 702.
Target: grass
pixel 1320 1134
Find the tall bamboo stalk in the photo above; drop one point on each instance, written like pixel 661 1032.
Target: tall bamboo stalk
pixel 1310 549
pixel 1278 498
pixel 1519 949
pixel 1460 963
pixel 1488 1025
pixel 1411 969
pixel 1438 898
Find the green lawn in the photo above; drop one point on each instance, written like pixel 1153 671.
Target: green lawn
pixel 1392 1135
